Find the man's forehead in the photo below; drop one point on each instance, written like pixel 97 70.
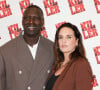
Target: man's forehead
pixel 33 9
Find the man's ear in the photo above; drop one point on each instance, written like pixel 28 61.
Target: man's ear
pixel 42 21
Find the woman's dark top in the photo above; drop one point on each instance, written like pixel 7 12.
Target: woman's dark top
pixel 51 82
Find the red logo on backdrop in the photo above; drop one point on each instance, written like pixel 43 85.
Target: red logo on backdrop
pixel 57 25
pixel 44 33
pixel 88 29
pixel 97 54
pixel 14 31
pixel 24 4
pixel 51 7
pixel 94 82
pixel 97 5
pixel 4 9
pixel 76 6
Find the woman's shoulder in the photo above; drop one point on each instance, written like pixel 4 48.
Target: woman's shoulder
pixel 83 64
pixel 81 61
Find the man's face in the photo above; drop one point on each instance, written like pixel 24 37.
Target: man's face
pixel 32 22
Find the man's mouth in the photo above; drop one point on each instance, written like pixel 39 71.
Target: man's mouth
pixel 31 28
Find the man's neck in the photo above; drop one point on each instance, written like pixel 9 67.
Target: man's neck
pixel 31 40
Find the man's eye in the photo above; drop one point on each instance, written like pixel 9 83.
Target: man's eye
pixel 36 18
pixel 25 17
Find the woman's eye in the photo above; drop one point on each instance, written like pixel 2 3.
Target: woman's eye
pixel 69 37
pixel 60 37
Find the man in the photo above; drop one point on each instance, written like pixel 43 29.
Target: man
pixel 25 62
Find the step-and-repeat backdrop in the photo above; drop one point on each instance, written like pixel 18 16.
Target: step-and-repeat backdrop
pixel 85 14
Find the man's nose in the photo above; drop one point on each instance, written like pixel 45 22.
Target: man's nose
pixel 31 20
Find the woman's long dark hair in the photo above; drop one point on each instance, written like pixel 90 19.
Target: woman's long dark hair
pixel 78 52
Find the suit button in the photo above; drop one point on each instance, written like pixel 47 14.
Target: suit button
pixel 43 87
pixel 20 72
pixel 48 71
pixel 29 88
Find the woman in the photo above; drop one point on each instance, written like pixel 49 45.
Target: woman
pixel 71 70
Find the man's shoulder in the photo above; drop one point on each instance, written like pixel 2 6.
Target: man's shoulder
pixel 10 43
pixel 46 43
pixel 46 40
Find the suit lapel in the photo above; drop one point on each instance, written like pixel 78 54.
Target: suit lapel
pixel 40 61
pixel 23 54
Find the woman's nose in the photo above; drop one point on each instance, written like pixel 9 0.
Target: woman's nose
pixel 64 40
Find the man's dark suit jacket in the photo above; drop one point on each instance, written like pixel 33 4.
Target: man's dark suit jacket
pixel 18 69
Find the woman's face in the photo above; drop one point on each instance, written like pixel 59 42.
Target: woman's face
pixel 66 40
